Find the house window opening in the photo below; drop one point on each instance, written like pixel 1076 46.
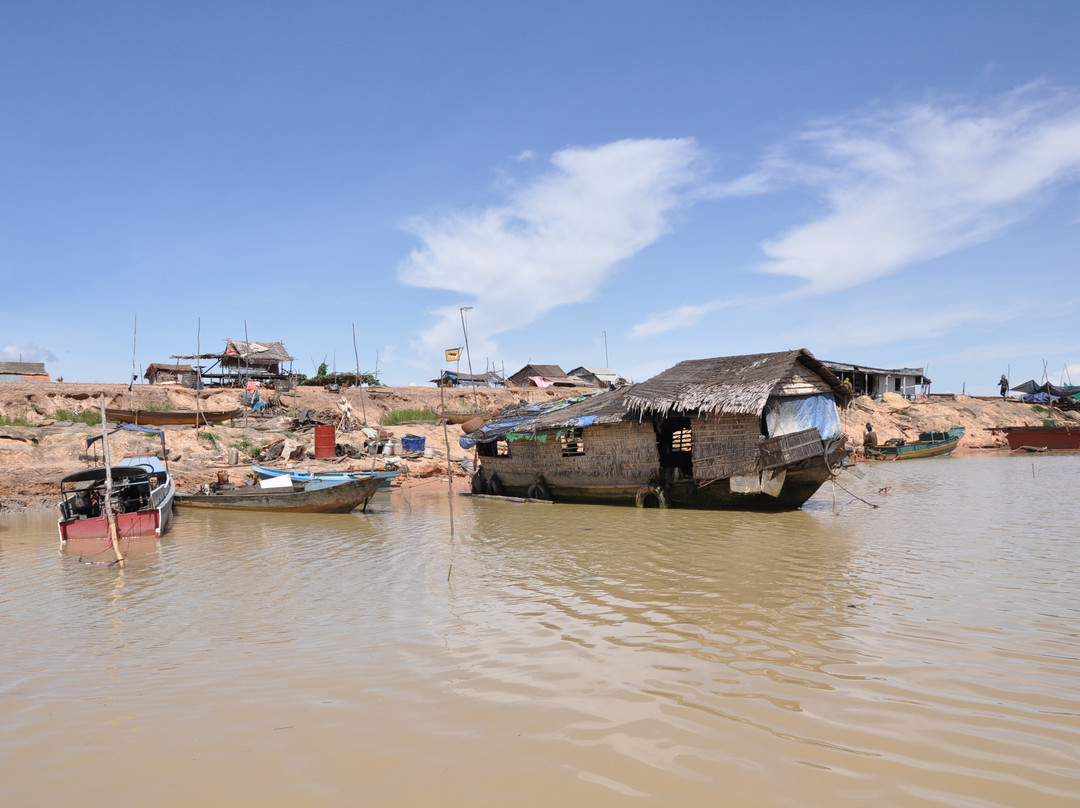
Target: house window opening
pixel 572 444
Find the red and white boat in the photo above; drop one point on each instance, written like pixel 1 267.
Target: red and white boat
pixel 142 499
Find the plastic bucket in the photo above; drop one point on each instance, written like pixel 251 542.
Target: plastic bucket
pixel 324 442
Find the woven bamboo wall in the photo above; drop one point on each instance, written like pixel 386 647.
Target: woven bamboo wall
pixel 623 454
pixel 726 445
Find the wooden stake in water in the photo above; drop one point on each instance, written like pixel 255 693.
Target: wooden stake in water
pixel 108 504
pixel 449 478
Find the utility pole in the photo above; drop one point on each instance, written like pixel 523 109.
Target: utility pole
pixel 468 355
pixel 606 363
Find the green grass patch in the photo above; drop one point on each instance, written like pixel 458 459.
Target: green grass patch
pixel 209 437
pixel 8 421
pixel 248 447
pixel 1049 422
pixel 157 406
pixel 89 417
pixel 1038 408
pixel 401 416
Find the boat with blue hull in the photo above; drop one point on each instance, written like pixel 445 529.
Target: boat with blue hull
pixel 325 479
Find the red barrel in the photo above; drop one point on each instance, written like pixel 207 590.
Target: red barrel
pixel 324 441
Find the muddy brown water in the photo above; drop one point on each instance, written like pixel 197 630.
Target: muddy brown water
pixel 926 652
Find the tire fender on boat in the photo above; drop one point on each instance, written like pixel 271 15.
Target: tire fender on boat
pixel 539 490
pixel 651 496
pixel 495 486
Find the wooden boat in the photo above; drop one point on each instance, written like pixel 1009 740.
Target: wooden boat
pixel 324 479
pixel 759 432
pixel 171 417
pixel 1061 436
pixel 457 417
pixel 143 495
pixel 929 444
pixel 295 498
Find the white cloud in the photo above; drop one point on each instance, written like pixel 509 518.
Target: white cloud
pixel 555 240
pixel 29 352
pixel 675 319
pixel 911 184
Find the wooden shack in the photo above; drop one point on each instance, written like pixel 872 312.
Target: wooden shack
pixel 241 362
pixel 542 376
pixel 158 373
pixel 23 372
pixel 755 432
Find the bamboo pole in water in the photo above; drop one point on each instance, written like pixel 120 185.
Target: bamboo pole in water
pixel 449 478
pixel 108 504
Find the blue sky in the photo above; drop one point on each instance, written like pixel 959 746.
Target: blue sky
pixel 620 183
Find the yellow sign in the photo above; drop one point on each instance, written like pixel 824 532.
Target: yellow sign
pixel 453 354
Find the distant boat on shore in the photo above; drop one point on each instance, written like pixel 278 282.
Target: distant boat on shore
pixel 293 497
pixel 325 479
pixel 1063 436
pixel 929 444
pixel 171 417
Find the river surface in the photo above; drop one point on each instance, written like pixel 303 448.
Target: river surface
pixel 922 653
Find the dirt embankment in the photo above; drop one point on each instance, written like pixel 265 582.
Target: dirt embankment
pixel 895 417
pixel 34 458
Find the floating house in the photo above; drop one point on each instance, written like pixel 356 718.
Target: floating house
pixel 23 372
pixel 875 382
pixel 757 432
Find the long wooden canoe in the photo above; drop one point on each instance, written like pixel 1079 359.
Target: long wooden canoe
pixel 332 499
pixel 171 417
pixel 929 444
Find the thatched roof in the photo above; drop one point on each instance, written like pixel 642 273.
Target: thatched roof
pixel 153 367
pixel 726 384
pixel 265 352
pixel 730 384
pixel 23 368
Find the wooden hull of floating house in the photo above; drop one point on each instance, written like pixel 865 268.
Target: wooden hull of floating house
pixel 728 466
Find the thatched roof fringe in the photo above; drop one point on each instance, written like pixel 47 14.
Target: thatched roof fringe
pixel 730 385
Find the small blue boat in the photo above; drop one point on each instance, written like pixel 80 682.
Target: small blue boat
pixel 325 479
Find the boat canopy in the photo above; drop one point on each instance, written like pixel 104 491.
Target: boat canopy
pixel 129 474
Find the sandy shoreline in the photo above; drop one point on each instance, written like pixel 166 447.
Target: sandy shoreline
pixel 34 458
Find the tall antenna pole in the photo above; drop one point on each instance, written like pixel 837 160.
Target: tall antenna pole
pixel 468 355
pixel 606 363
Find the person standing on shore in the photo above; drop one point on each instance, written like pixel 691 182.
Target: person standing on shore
pixel 1004 383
